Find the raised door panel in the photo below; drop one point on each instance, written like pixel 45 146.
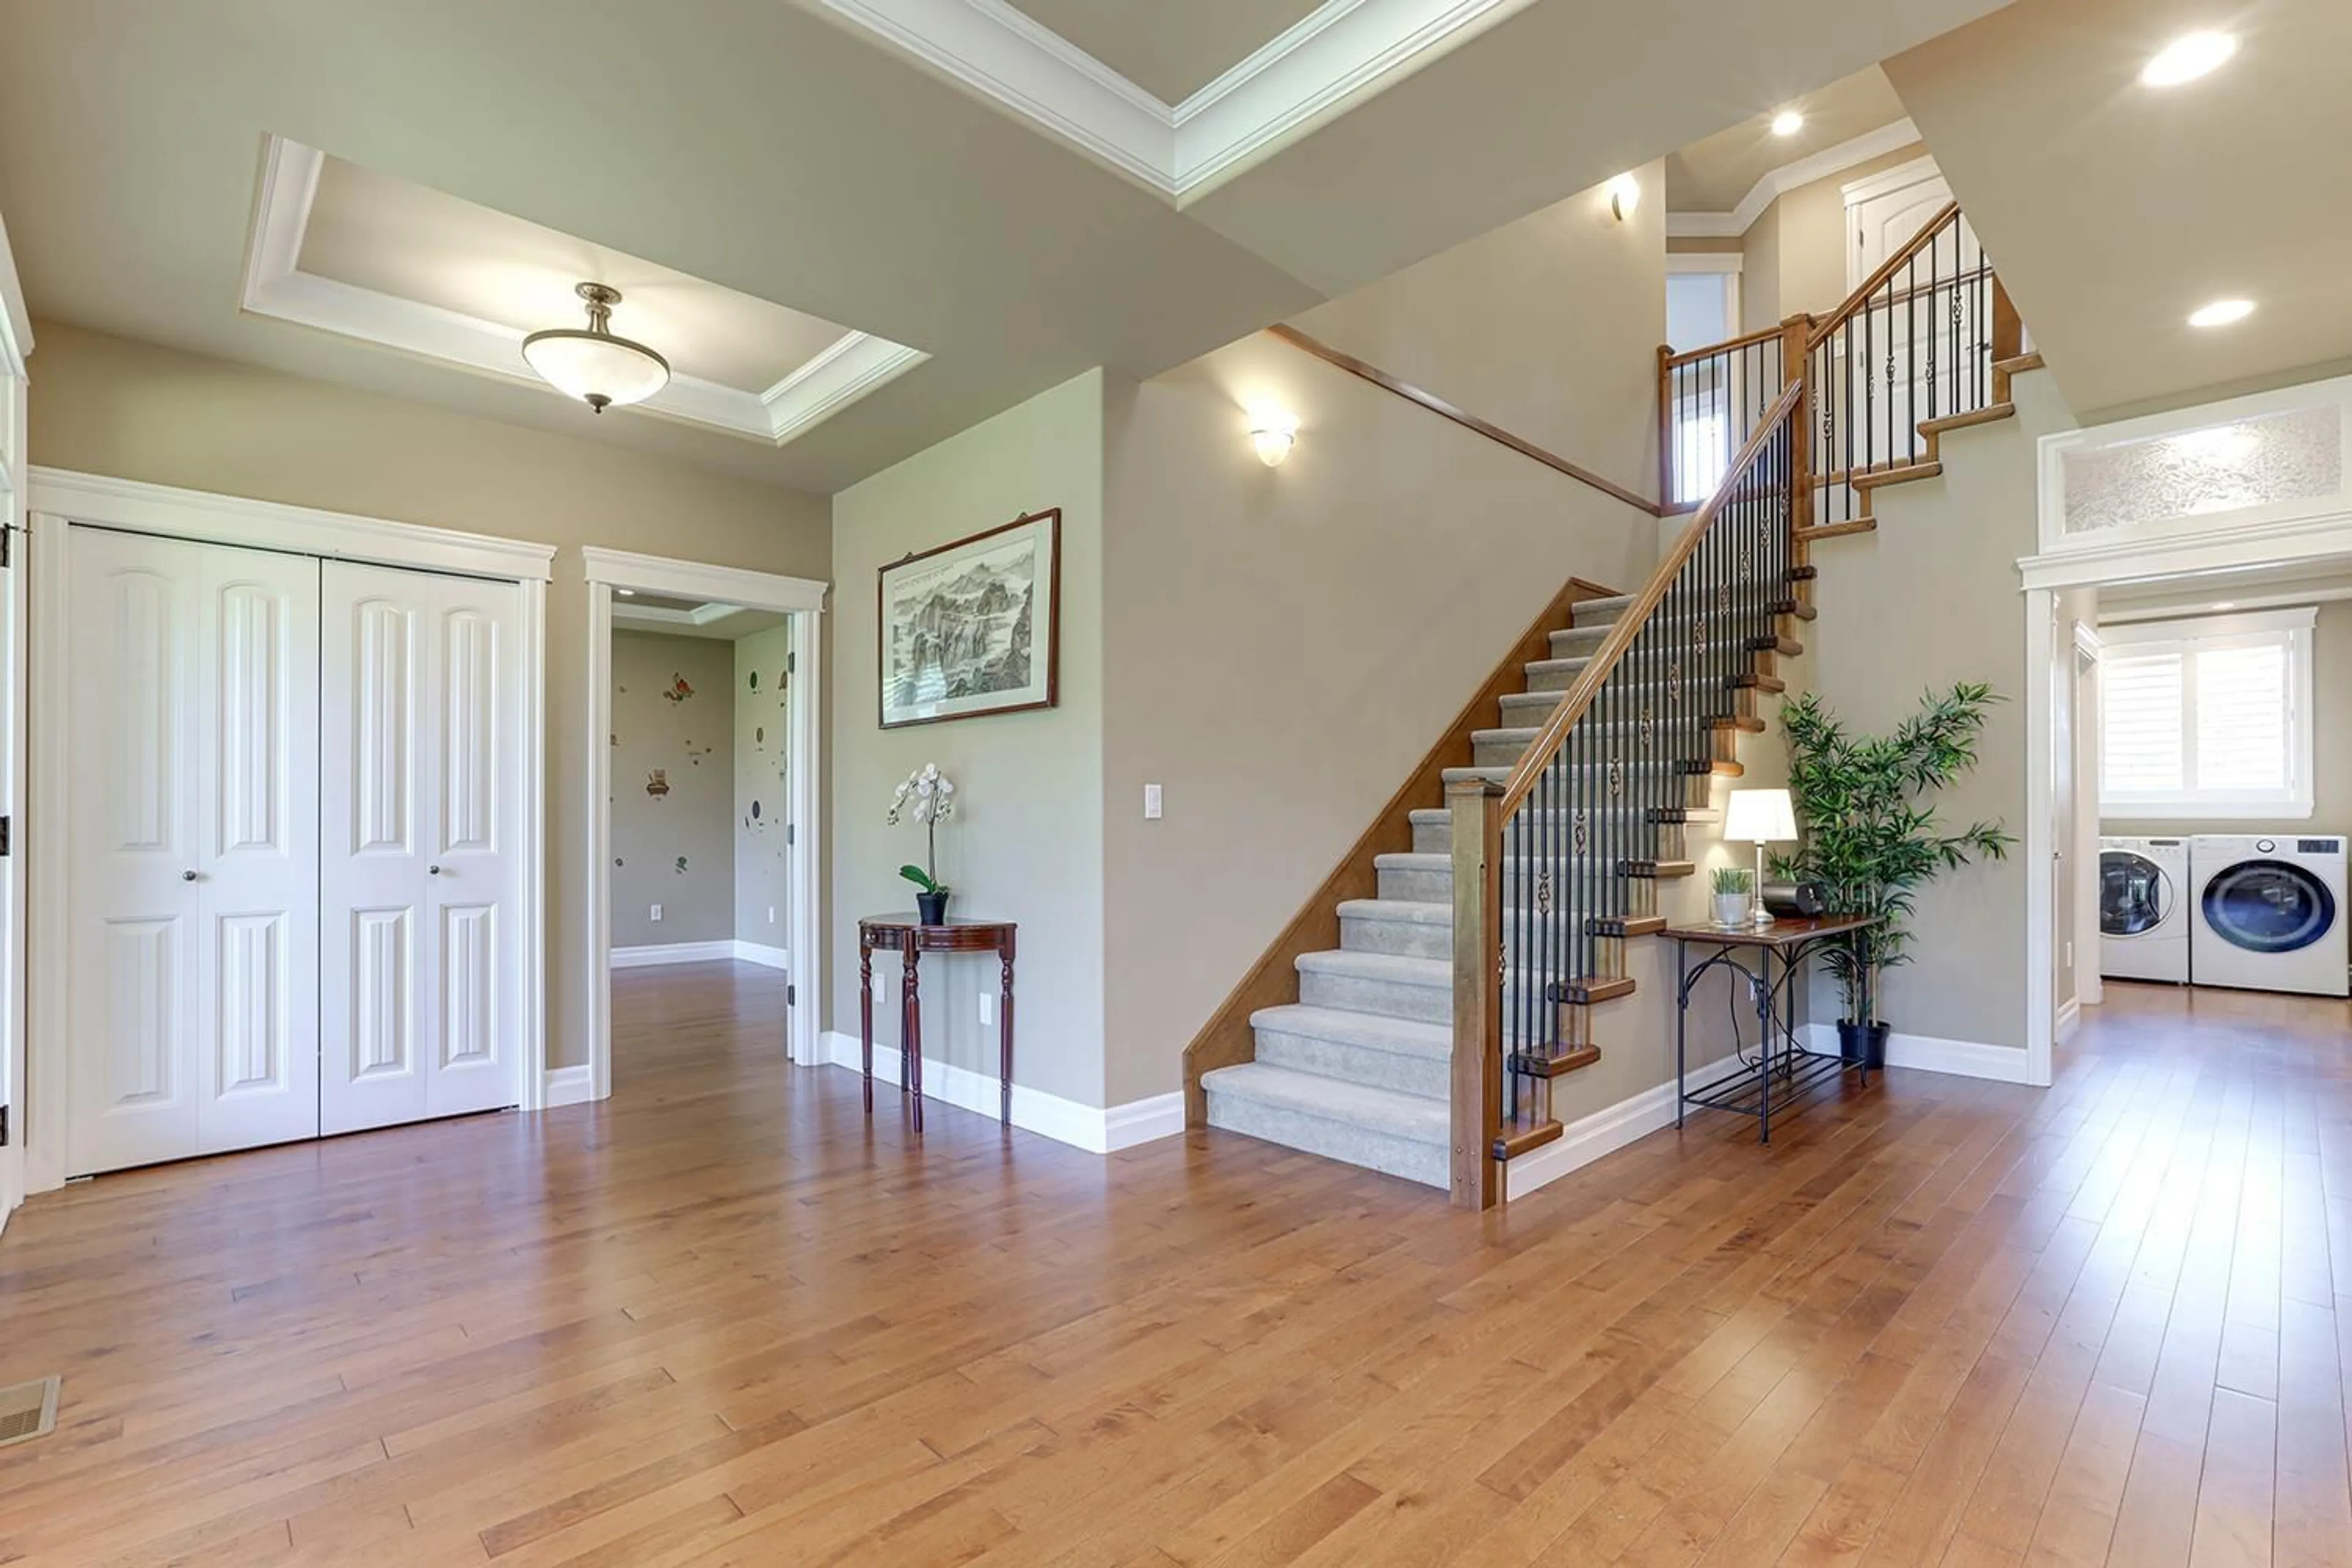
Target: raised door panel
pixel 259 885
pixel 475 979
pixel 133 901
pixel 377 729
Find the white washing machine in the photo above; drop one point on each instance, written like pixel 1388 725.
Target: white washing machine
pixel 2269 912
pixel 2144 909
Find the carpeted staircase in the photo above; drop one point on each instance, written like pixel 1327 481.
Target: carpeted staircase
pixel 1357 1068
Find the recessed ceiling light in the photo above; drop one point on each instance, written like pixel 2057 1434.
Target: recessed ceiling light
pixel 2221 312
pixel 2188 57
pixel 1788 122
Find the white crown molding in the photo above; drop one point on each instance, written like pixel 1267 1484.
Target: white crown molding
pixel 1343 49
pixel 1774 184
pixel 736 587
pixel 274 285
pixel 140 508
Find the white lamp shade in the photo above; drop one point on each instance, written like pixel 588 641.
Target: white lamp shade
pixel 1760 816
pixel 591 365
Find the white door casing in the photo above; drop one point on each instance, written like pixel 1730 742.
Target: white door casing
pixel 193 921
pixel 421 868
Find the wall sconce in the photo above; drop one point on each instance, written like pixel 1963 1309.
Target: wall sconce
pixel 1625 196
pixel 1273 432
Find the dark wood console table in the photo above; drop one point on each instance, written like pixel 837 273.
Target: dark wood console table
pixel 909 938
pixel 1747 1089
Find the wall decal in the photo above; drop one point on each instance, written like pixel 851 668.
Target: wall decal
pixel 755 810
pixel 681 865
pixel 680 689
pixel 755 681
pixel 657 783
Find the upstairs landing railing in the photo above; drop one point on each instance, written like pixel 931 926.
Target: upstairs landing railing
pixel 1913 351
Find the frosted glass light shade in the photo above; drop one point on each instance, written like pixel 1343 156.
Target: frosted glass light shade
pixel 598 369
pixel 1760 816
pixel 591 364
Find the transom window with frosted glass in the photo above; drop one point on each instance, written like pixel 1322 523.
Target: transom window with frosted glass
pixel 2207 718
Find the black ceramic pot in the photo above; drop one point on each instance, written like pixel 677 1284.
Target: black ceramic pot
pixel 933 908
pixel 1862 1045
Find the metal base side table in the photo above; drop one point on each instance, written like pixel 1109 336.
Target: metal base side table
pixel 909 938
pixel 1780 1070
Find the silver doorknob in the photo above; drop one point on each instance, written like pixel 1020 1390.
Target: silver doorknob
pixel 187 876
pixel 433 870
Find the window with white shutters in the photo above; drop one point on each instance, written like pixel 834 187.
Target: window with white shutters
pixel 2207 718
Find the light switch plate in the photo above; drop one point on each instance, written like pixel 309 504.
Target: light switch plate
pixel 1151 802
pixel 987 1010
pixel 656 911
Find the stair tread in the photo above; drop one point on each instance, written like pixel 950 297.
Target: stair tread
pixel 1415 1118
pixel 1601 610
pixel 1374 1031
pixel 1408 912
pixel 1395 968
pixel 1431 816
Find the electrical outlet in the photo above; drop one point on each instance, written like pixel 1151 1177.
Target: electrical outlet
pixel 656 911
pixel 2070 956
pixel 1151 802
pixel 772 914
pixel 988 1009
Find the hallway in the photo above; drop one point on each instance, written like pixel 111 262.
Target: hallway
pixel 724 1319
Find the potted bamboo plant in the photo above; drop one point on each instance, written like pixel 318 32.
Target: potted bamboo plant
pixel 1870 839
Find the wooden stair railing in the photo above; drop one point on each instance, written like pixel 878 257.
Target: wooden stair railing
pixel 1925 344
pixel 1550 866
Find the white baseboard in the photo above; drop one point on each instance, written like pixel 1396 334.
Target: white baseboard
pixel 2070 1018
pixel 568 1086
pixel 1925 1053
pixel 672 952
pixel 699 952
pixel 1588 1138
pixel 1095 1130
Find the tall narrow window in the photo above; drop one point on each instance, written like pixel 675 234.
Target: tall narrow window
pixel 2208 717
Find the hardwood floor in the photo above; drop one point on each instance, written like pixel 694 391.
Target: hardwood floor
pixel 723 1318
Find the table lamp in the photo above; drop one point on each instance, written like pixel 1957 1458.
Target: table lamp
pixel 1760 816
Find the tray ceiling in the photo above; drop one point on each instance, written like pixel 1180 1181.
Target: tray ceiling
pixel 352 251
pixel 1715 174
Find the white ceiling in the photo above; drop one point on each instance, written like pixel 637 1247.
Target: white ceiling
pixel 786 152
pixel 669 616
pixel 1170 48
pixel 2111 209
pixel 1714 173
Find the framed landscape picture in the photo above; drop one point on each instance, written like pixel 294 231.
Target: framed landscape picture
pixel 974 627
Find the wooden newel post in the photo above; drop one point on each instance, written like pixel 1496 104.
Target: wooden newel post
pixel 1476 1180
pixel 2007 327
pixel 1666 427
pixel 1796 333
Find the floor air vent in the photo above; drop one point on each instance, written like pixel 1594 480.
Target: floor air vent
pixel 28 1410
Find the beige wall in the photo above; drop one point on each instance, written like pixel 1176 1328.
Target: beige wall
pixel 1026 842
pixel 1281 646
pixel 1549 327
pixel 2331 761
pixel 1931 598
pixel 763 696
pixel 672 748
pixel 1793 258
pixel 108 406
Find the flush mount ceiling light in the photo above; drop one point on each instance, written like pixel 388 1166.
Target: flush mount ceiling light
pixel 1788 122
pixel 2221 312
pixel 2188 57
pixel 591 364
pixel 1625 196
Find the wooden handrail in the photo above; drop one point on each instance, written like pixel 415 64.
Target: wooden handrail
pixel 1438 405
pixel 1630 622
pixel 1856 301
pixel 1729 345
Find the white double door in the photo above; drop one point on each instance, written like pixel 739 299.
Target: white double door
pixel 271 756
